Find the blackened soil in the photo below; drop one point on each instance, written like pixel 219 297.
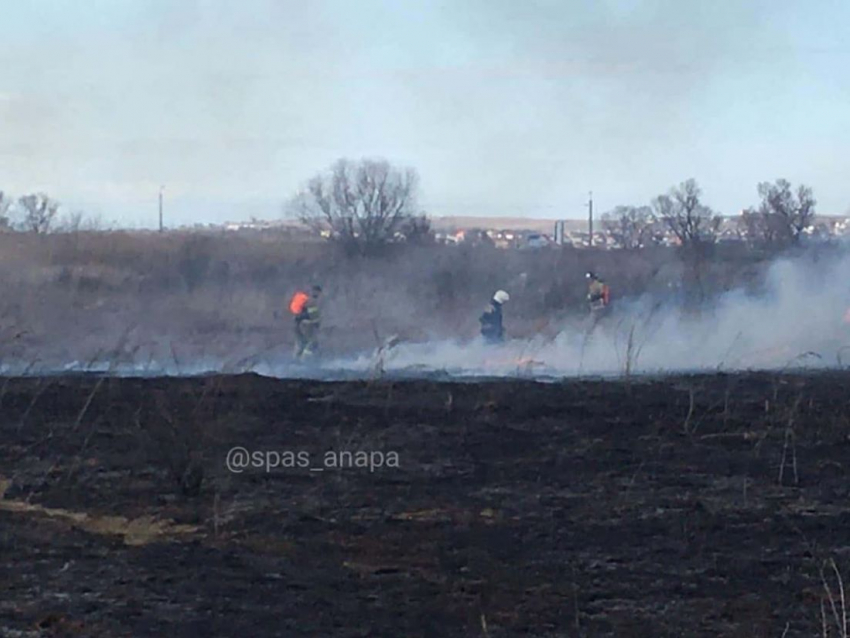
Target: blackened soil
pixel 689 506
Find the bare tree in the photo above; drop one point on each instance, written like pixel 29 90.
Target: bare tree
pixel 782 216
pixel 5 204
pixel 38 212
pixel 71 223
pixel 750 225
pixel 417 230
pixel 78 221
pixel 630 226
pixel 363 205
pixel 685 215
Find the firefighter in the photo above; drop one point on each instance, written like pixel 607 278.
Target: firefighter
pixel 491 320
pixel 598 293
pixel 307 322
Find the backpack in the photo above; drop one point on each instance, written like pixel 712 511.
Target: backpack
pixel 299 300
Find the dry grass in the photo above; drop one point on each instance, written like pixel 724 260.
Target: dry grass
pixel 833 599
pixel 74 294
pixel 134 531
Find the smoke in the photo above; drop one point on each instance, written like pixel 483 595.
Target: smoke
pixel 797 320
pixel 121 310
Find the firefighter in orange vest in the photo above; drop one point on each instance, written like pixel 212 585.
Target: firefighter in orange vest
pixel 307 322
pixel 598 293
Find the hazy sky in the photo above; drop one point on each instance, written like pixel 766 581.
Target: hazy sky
pixel 504 107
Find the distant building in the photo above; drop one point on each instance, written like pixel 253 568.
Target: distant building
pixel 535 240
pixel 560 233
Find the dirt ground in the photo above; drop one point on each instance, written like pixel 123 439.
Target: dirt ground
pixel 687 506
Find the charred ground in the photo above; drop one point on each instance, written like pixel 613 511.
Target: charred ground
pixel 702 505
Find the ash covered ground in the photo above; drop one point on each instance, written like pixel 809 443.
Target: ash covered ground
pixel 699 505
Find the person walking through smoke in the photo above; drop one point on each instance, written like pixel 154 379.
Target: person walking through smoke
pixel 307 322
pixel 598 294
pixel 491 320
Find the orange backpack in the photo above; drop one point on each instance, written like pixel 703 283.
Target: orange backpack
pixel 296 305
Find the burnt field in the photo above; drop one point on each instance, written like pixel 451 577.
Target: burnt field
pixel 685 506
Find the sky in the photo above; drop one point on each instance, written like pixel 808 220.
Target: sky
pixel 504 108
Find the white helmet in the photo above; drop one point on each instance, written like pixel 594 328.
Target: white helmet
pixel 501 296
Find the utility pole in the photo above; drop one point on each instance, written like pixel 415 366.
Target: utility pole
pixel 160 208
pixel 590 220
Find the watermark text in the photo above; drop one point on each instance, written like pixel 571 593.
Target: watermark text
pixel 240 459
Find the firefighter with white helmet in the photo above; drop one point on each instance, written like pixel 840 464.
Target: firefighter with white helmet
pixel 491 320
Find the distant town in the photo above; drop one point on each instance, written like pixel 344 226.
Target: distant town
pixel 520 233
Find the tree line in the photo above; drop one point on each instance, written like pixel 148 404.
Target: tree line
pixel 38 213
pixel 365 205
pixel 779 220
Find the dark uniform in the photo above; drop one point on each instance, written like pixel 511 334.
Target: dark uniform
pixel 491 323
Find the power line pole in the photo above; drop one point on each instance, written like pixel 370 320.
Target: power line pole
pixel 590 220
pixel 160 208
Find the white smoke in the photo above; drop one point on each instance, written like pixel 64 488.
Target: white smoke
pixel 795 319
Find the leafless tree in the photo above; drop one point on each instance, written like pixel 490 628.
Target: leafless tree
pixel 363 205
pixel 70 223
pixel 630 226
pixel 750 225
pixel 783 214
pixel 690 220
pixel 417 230
pixel 38 211
pixel 77 221
pixel 5 204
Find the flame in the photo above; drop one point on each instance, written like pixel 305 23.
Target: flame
pixel 520 362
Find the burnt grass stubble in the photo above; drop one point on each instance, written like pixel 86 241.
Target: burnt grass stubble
pixel 680 506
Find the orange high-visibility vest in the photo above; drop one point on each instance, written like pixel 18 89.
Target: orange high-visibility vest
pixel 296 305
